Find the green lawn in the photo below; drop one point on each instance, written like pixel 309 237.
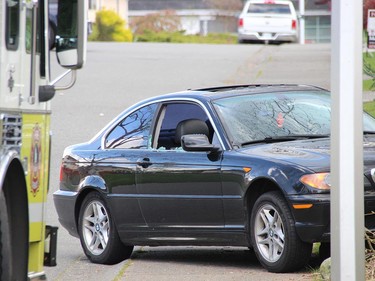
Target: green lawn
pixel 368 83
pixel 369 71
pixel 178 37
pixel 369 107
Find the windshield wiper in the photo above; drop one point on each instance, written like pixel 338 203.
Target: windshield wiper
pixel 284 138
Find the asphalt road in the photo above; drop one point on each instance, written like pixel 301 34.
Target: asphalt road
pixel 117 75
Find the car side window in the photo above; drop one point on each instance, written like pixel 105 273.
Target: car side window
pixel 166 136
pixel 133 132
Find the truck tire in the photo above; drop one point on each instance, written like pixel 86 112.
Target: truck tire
pixel 5 260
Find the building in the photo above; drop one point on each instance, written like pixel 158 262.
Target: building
pixel 317 20
pixel 204 16
pixel 196 16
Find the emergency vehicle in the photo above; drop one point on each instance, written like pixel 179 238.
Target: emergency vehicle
pixel 31 32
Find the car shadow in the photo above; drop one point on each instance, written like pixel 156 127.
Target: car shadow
pixel 240 258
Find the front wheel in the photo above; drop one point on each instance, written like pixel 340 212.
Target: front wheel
pixel 98 233
pixel 274 237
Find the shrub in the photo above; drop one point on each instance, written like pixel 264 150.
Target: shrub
pixel 109 26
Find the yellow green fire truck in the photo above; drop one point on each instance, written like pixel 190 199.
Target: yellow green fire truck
pixel 32 31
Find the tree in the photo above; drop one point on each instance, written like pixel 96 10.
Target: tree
pixel 164 21
pixel 109 26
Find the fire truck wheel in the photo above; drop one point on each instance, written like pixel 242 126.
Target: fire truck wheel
pixel 5 260
pixel 98 233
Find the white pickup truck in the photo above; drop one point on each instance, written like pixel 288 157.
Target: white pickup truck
pixel 268 21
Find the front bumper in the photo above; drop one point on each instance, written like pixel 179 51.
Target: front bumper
pixel 65 202
pixel 313 224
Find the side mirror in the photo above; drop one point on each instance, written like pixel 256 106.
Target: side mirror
pixel 197 143
pixel 71 33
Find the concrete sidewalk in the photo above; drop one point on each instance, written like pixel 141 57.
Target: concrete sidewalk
pixel 368 96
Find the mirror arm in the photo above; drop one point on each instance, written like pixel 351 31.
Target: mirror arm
pixel 73 80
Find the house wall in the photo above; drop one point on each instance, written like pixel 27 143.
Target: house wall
pixel 199 21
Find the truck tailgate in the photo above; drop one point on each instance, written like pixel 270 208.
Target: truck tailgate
pixel 274 24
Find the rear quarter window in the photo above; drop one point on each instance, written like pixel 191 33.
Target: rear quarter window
pixel 133 132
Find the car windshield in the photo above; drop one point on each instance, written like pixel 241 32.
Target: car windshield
pixel 278 116
pixel 269 9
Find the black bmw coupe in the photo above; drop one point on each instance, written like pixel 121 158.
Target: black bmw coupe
pixel 228 166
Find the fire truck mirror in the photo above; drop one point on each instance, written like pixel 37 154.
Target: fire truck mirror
pixel 71 33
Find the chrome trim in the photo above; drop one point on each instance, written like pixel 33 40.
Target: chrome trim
pixel 25 111
pixel 126 113
pixel 36 276
pixel 11 131
pixel 34 7
pixel 73 80
pixel 373 174
pixel 5 160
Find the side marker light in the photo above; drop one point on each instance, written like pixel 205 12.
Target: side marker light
pixel 302 206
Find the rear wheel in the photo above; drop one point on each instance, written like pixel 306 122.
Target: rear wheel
pixel 98 233
pixel 5 254
pixel 274 237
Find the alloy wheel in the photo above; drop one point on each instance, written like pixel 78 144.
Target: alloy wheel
pixel 95 227
pixel 269 233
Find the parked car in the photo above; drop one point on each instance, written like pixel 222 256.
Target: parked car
pixel 268 21
pixel 229 166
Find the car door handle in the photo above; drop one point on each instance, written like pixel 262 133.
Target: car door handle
pixel 144 163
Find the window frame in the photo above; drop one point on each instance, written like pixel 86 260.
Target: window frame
pixel 8 25
pixel 220 134
pixel 161 115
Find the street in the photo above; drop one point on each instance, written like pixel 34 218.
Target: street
pixel 117 75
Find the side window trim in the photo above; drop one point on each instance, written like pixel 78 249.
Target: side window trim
pixel 157 126
pixel 160 104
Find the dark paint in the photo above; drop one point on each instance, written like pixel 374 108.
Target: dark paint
pixel 200 198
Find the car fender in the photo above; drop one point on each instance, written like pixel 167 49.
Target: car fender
pixel 93 182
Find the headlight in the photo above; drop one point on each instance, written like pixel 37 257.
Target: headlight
pixel 319 180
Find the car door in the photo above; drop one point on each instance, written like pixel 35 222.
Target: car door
pixel 124 144
pixel 179 190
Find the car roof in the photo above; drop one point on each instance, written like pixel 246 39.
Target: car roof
pixel 206 95
pixel 214 93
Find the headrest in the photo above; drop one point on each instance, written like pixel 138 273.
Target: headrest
pixel 191 127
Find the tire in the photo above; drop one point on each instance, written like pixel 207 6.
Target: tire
pixel 51 35
pixel 273 235
pixel 324 251
pixel 98 232
pixel 5 253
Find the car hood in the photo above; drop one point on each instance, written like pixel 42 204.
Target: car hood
pixel 312 154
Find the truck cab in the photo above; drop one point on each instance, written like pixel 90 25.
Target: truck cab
pixel 26 91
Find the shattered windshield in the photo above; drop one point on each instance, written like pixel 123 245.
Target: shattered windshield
pixel 250 118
